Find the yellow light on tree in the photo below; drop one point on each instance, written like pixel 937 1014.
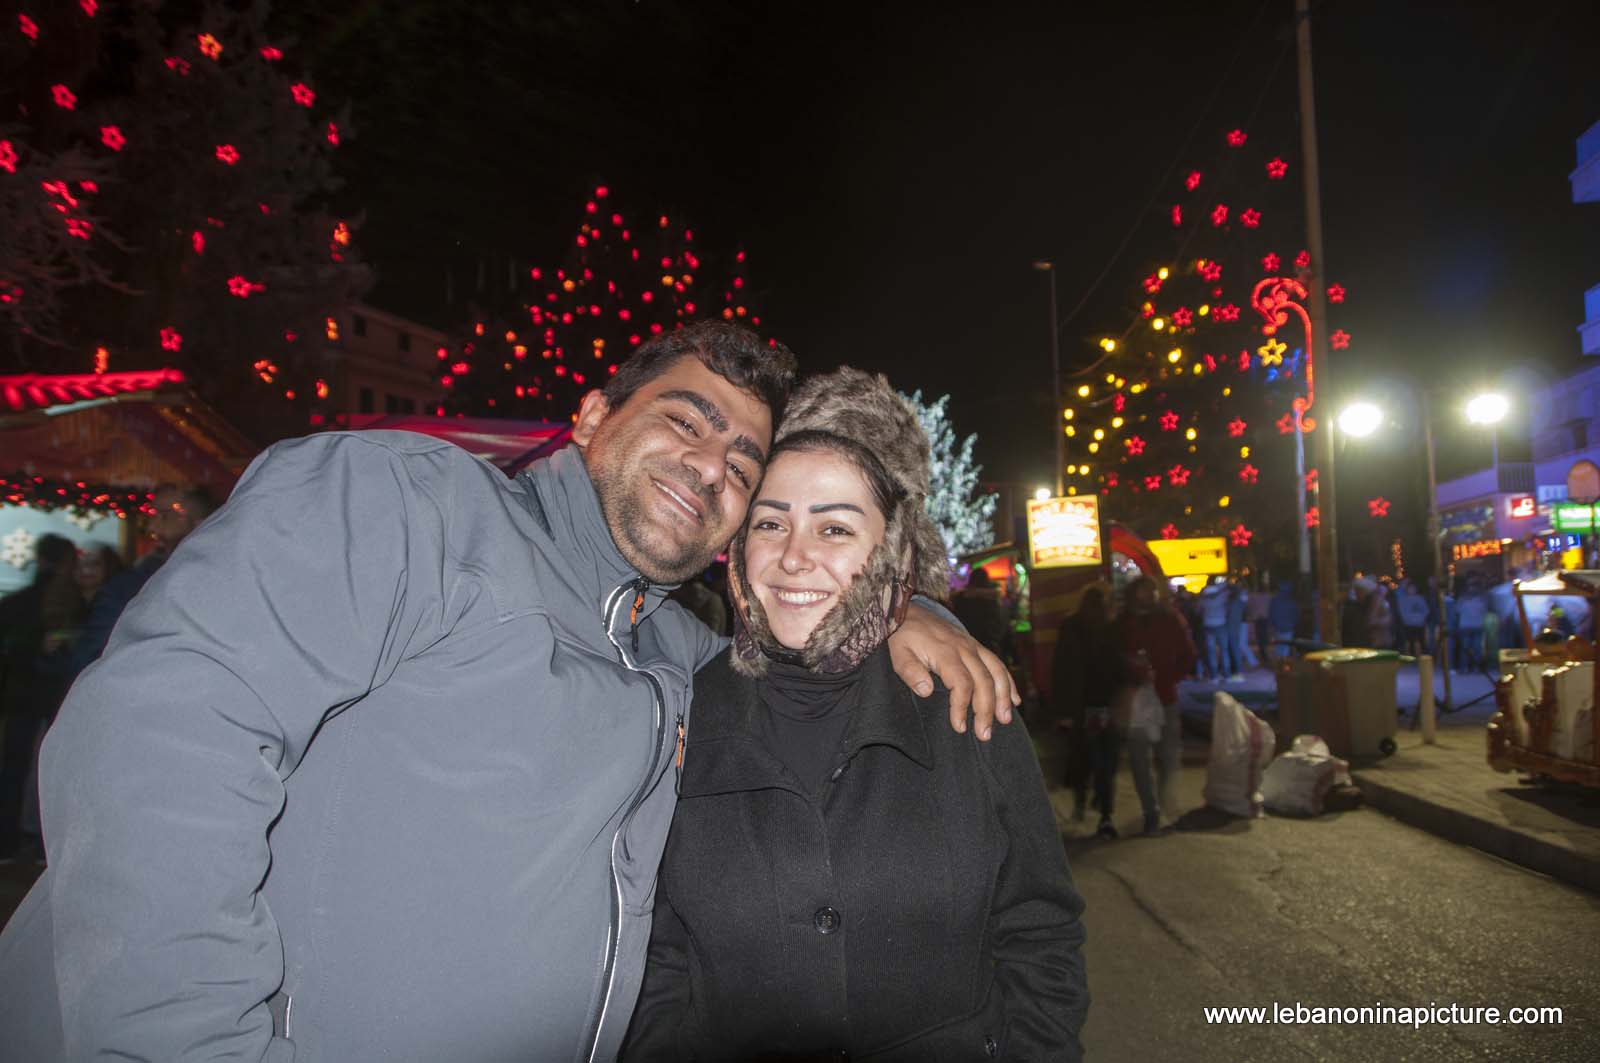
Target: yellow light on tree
pixel 1094 448
pixel 1244 452
pixel 1099 433
pixel 1071 431
pixel 1083 391
pixel 1175 355
pixel 1223 501
pixel 1116 422
pixel 1205 309
pixel 1108 344
pixel 1067 414
pixel 1159 323
pixel 1162 273
pixel 1191 434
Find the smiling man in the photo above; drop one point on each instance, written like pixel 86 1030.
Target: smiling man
pixel 379 766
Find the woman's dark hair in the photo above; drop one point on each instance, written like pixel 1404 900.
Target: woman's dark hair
pixel 733 352
pixel 51 554
pixel 885 492
pixel 110 560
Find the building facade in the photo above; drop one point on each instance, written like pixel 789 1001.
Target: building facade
pixel 383 363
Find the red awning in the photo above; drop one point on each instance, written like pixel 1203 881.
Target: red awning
pixel 37 391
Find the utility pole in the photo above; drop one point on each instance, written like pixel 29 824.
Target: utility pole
pixel 1056 429
pixel 1436 537
pixel 1328 514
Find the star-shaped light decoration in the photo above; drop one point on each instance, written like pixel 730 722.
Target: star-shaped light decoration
pixel 1270 262
pixel 1227 312
pixel 29 28
pixel 180 66
pixel 1244 361
pixel 1183 317
pixel 1177 215
pixel 1276 169
pixel 16 549
pixel 1219 215
pixel 1236 427
pixel 1335 293
pixel 1192 182
pixel 210 47
pixel 1119 402
pixel 1237 138
pixel 1240 535
pixel 1152 284
pixel 63 97
pixel 333 134
pixel 1286 424
pixel 1340 340
pixel 271 54
pixel 1251 217
pixel 1271 352
pixel 1169 421
pixel 79 228
pixel 1311 480
pixel 242 288
pixel 1378 507
pixel 1135 445
pixel 1169 531
pixel 227 153
pixel 171 339
pixel 112 137
pixel 1211 271
pixel 8 157
pixel 1313 517
pixel 1302 260
pixel 1152 483
pixel 1249 473
pixel 1178 476
pixel 302 94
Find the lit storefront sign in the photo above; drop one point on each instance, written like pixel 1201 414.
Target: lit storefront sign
pixel 1191 557
pixel 1521 507
pixel 1063 532
pixel 1481 548
pixel 1556 543
pixel 1571 517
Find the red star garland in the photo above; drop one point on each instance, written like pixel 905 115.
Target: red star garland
pixel 1251 218
pixel 1236 427
pixel 8 157
pixel 112 137
pixel 210 47
pixel 1276 169
pixel 1378 507
pixel 242 288
pixel 302 94
pixel 29 28
pixel 1152 284
pixel 1119 403
pixel 1335 293
pixel 1211 271
pixel 1228 313
pixel 271 54
pixel 1340 340
pixel 1311 480
pixel 333 134
pixel 1183 317
pixel 1211 362
pixel 1147 310
pixel 1178 476
pixel 1152 483
pixel 1177 215
pixel 1169 422
pixel 1286 424
pixel 1135 445
pixel 1302 260
pixel 171 339
pixel 1270 263
pixel 1237 138
pixel 1313 517
pixel 1244 361
pixel 1249 473
pixel 1169 531
pixel 1192 182
pixel 227 153
pixel 1219 215
pixel 1240 535
pixel 63 97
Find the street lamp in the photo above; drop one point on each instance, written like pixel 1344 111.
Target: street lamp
pixel 1046 266
pixel 1360 419
pixel 1489 409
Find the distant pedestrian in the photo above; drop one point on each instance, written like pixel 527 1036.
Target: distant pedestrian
pixel 1238 634
pixel 1158 631
pixel 1086 672
pixel 1214 617
pixel 1413 610
pixel 979 607
pixel 1471 609
pixel 1380 619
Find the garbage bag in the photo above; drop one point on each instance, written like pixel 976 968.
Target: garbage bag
pixel 1241 746
pixel 1298 781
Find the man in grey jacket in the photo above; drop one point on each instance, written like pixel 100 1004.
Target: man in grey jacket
pixel 380 765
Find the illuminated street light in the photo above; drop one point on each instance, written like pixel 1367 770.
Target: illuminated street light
pixel 1360 419
pixel 1488 408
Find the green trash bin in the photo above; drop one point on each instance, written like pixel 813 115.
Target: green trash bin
pixel 1352 701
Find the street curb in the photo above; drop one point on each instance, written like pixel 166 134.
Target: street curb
pixel 1464 828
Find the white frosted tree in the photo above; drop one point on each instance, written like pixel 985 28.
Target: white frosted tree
pixel 964 518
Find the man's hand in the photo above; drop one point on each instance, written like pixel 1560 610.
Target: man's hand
pixel 926 645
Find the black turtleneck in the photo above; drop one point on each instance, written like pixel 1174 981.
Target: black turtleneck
pixel 807 713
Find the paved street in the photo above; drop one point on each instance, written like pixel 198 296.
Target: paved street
pixel 1348 910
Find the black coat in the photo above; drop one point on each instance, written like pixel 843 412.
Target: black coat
pixel 918 907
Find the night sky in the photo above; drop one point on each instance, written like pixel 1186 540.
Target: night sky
pixel 894 168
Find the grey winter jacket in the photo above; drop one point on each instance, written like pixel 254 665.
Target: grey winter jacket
pixel 377 767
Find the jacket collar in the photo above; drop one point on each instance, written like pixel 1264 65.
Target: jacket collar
pixel 727 751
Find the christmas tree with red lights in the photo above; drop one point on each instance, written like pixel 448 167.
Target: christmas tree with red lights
pixel 1184 418
pixel 162 184
pixel 625 278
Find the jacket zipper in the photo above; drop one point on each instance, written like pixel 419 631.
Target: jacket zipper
pixel 608 962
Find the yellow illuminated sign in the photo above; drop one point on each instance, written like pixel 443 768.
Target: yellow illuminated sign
pixel 1064 531
pixel 1192 557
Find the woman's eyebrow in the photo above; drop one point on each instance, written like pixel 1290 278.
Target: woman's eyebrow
pixel 826 507
pixel 774 503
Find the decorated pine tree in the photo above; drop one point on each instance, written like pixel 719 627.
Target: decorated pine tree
pixel 622 279
pixel 163 179
pixel 964 517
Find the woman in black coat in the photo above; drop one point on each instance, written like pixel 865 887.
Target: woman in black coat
pixel 846 876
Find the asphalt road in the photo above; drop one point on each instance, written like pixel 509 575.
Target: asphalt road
pixel 1343 911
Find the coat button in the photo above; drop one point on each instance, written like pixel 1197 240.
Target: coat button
pixel 991 1046
pixel 826 920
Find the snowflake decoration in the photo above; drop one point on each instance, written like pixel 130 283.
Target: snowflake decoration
pixel 302 94
pixel 64 97
pixel 1236 427
pixel 171 339
pixel 1340 340
pixel 1249 473
pixel 1152 483
pixel 1251 217
pixel 112 137
pixel 1219 215
pixel 16 549
pixel 1313 517
pixel 1177 215
pixel 227 153
pixel 1335 293
pixel 1237 138
pixel 1271 352
pixel 1169 531
pixel 1240 535
pixel 210 47
pixel 1378 507
pixel 1183 317
pixel 1302 260
pixel 1178 476
pixel 1135 445
pixel 1270 262
pixel 1276 169
pixel 1227 313
pixel 1192 182
pixel 1169 421
pixel 83 520
pixel 1211 271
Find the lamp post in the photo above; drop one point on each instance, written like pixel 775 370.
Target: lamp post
pixel 1046 266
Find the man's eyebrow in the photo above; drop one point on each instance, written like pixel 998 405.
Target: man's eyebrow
pixel 828 507
pixel 780 506
pixel 747 446
pixel 707 408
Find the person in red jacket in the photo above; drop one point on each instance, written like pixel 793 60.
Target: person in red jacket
pixel 1155 636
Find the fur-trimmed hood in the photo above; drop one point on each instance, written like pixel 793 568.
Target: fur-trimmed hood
pixel 863 410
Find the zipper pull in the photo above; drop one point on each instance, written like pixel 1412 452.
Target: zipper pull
pixel 680 741
pixel 640 585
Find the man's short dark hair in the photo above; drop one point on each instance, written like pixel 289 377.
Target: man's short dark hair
pixel 733 352
pixel 198 502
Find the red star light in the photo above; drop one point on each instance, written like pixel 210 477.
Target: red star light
pixel 1169 422
pixel 1313 517
pixel 8 157
pixel 1286 424
pixel 1236 427
pixel 1276 169
pixel 333 134
pixel 227 153
pixel 1302 260
pixel 302 94
pixel 1169 531
pixel 1237 138
pixel 271 54
pixel 89 6
pixel 1177 214
pixel 1227 313
pixel 171 339
pixel 1119 403
pixel 1378 507
pixel 29 28
pixel 1335 293
pixel 1183 317
pixel 242 288
pixel 1178 476
pixel 1152 483
pixel 1249 473
pixel 1340 339
pixel 1219 215
pixel 1311 480
pixel 1211 271
pixel 1244 361
pixel 1270 263
pixel 1192 182
pixel 210 47
pixel 1251 218
pixel 1240 535
pixel 1152 284
pixel 64 97
pixel 1135 445
pixel 112 137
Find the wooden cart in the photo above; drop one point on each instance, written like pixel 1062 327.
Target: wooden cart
pixel 1547 693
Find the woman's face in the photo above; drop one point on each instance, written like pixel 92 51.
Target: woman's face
pixel 812 527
